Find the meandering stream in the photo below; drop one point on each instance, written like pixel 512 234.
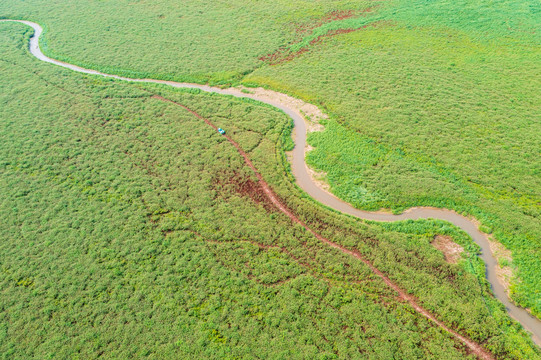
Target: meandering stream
pixel 305 181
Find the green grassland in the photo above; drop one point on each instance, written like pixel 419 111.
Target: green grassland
pixel 132 229
pixel 431 102
pixel 200 41
pixel 432 116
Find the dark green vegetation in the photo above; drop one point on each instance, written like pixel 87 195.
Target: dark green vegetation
pixel 431 102
pixel 131 228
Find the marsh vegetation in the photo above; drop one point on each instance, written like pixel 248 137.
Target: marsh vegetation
pixel 136 230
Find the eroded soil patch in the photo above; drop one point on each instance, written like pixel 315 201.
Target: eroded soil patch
pixel 451 250
pixel 234 182
pixel 285 54
pixel 335 15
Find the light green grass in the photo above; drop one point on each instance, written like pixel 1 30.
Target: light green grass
pixel 124 235
pixel 436 116
pixel 196 41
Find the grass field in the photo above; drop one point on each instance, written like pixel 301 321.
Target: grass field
pixel 435 116
pixel 132 229
pixel 196 41
pixel 431 103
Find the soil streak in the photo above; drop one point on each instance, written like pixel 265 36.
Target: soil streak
pixel 472 345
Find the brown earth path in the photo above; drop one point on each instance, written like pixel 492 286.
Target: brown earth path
pixel 474 347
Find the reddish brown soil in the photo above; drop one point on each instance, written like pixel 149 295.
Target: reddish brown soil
pixel 330 17
pixel 451 250
pixel 346 31
pixel 474 347
pixel 235 182
pixel 284 55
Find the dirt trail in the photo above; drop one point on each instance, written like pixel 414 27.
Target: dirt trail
pixel 473 346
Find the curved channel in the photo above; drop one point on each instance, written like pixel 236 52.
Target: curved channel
pixel 305 181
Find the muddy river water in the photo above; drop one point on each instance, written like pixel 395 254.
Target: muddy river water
pixel 292 107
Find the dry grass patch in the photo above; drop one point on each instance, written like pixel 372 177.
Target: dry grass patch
pixel 451 250
pixel 504 271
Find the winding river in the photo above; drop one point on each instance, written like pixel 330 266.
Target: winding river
pixel 300 170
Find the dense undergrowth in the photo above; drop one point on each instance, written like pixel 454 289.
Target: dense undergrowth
pixel 132 229
pixel 195 41
pixel 431 117
pixel 431 102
